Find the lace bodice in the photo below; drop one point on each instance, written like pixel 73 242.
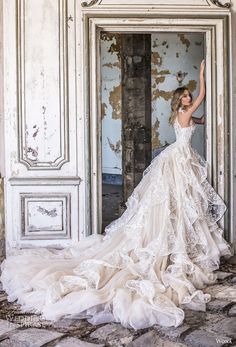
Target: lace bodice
pixel 184 135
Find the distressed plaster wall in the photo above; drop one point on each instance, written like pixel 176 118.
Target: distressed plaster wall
pixel 111 103
pixel 171 53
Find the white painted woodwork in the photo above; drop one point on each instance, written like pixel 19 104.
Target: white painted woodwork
pixel 45 212
pixel 42 94
pixel 42 126
pixel 165 6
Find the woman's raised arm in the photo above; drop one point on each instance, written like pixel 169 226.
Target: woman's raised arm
pixel 202 90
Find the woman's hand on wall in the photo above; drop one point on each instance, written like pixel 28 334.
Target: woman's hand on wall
pixel 202 67
pixel 200 120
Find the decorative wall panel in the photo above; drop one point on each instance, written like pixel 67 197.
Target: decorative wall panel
pixel 44 212
pixel 45 216
pixel 42 93
pixel 154 2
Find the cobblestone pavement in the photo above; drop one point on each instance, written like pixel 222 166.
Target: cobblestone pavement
pixel 214 328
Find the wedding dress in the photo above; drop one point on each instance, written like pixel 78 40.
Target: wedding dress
pixel 153 261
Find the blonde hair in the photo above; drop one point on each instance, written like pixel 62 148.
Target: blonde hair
pixel 176 103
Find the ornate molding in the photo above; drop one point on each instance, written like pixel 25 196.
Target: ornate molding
pixel 45 216
pixel 47 181
pixel 219 4
pixel 35 125
pixel 89 4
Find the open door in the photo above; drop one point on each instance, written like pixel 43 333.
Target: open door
pixel 177 48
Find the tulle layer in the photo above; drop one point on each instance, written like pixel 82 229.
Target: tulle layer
pixel 152 263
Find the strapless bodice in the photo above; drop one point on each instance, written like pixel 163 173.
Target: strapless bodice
pixel 184 135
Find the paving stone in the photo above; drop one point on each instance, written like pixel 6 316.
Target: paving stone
pixel 233 280
pixel 221 275
pixel 232 260
pixel 211 319
pixel 232 311
pixel 68 324
pixel 6 326
pixel 104 331
pixel 194 318
pixel 82 331
pixel 3 297
pixel 6 343
pixel 172 332
pixel 151 339
pixel 72 342
pixel 217 305
pixel 32 337
pixel 201 338
pixel 233 269
pixel 220 291
pixel 113 334
pixel 227 326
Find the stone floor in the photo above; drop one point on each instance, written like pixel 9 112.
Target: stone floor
pixel 214 328
pixel 111 200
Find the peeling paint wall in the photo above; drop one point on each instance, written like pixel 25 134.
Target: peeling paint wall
pixel 111 103
pixel 171 53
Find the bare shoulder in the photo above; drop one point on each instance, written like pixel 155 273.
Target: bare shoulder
pixel 184 118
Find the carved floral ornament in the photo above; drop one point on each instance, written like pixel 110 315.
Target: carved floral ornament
pixel 89 3
pixel 217 3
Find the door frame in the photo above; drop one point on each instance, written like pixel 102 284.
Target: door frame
pixel 218 91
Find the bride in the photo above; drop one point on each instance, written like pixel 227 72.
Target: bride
pixel 152 263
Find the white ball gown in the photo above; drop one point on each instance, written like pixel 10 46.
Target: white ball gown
pixel 153 261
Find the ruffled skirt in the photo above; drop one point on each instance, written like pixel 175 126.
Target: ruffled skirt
pixel 152 263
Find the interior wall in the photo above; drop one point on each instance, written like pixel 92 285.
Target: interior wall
pixel 41 118
pixel 2 234
pixel 233 37
pixel 171 53
pixel 1 93
pixel 111 103
pixel 233 128
pixel 2 243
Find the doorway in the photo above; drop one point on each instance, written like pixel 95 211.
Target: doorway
pixel 213 140
pixel 139 73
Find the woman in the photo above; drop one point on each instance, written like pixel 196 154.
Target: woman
pixel 153 261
